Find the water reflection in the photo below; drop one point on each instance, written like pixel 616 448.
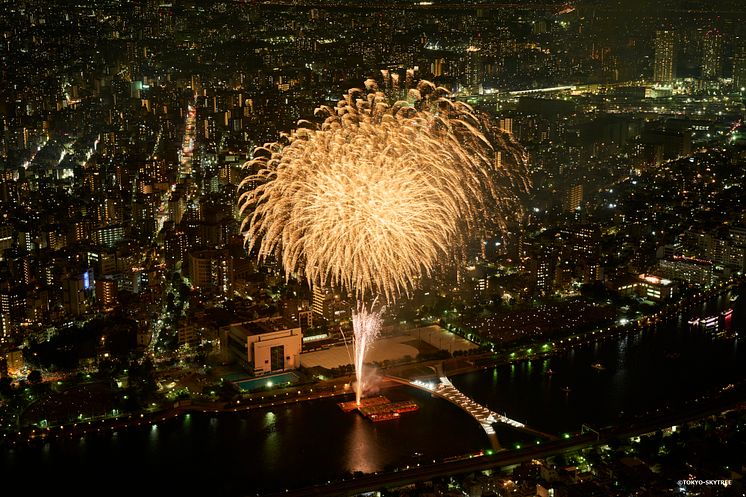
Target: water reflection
pixel 643 370
pixel 272 443
pixel 257 451
pixel 311 442
pixel 362 451
pixel 269 421
pixel 154 433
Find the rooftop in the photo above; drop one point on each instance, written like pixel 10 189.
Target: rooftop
pixel 261 326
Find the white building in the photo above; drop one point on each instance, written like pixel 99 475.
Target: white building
pixel 687 269
pixel 264 346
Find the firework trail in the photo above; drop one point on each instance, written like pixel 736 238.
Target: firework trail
pixel 366 326
pixel 375 197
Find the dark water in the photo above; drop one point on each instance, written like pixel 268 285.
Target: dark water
pixel 643 371
pixel 249 452
pixel 291 446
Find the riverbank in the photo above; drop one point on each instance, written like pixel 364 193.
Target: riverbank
pixel 342 386
pixel 727 402
pixel 539 349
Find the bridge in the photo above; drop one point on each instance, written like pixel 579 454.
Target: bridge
pixel 483 415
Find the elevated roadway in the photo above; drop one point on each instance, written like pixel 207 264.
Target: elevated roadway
pixel 479 462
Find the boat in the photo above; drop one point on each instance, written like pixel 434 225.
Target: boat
pixel 727 313
pixel 694 321
pixel 725 335
pixel 710 322
pixel 598 366
pixel 566 389
pixel 549 372
pixel 734 298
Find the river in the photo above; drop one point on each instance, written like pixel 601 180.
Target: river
pixel 253 452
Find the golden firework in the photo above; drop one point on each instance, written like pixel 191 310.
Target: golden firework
pixel 374 197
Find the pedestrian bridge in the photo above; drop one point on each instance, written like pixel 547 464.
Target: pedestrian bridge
pixel 484 416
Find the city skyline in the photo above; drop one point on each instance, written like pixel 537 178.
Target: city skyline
pixel 130 302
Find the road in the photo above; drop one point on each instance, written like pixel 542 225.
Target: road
pixel 468 464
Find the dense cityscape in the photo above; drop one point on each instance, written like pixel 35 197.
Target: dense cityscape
pixel 588 342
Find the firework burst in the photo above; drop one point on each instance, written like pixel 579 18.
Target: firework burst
pixel 373 198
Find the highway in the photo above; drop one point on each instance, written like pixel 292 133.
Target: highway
pixel 467 464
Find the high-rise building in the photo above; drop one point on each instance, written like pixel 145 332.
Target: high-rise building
pixel 574 198
pixel 540 262
pixel 12 309
pixel 211 270
pixel 739 65
pixel 19 265
pixel 546 265
pixel 318 302
pixel 663 70
pixel 176 208
pixel 712 55
pixel 474 73
pixel 296 311
pixel 15 362
pixel 110 211
pixel 6 238
pixel 106 292
pixel 687 269
pixel 506 124
pixel 76 290
pixel 581 242
pixel 26 241
pixel 329 305
pixel 109 236
pixel 437 67
pixel 176 245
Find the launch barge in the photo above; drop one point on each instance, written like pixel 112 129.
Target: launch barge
pixel 366 402
pixel 379 408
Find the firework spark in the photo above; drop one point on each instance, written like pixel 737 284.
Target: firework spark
pixel 366 326
pixel 375 197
